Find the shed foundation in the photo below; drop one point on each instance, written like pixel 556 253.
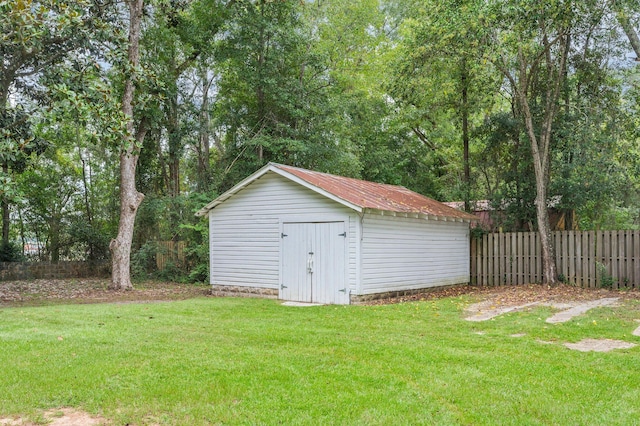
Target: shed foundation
pixel 365 298
pixel 243 291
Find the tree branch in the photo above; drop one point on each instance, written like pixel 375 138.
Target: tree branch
pixel 423 138
pixel 631 33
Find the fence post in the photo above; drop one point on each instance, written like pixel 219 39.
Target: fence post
pixel 472 266
pixel 485 260
pixel 628 276
pixel 599 256
pixel 591 258
pixel 636 259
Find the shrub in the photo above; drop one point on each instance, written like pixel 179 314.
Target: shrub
pixel 10 252
pixel 606 280
pixel 143 260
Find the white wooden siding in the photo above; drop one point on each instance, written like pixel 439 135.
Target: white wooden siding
pixel 406 253
pixel 244 231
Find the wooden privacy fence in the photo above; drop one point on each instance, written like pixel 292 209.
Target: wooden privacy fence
pixel 170 252
pixel 583 258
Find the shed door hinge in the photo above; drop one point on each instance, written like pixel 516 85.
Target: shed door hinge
pixel 282 235
pixel 344 234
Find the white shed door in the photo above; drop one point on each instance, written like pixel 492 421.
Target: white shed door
pixel 313 262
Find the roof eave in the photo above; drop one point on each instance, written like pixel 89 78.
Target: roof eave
pixel 417 215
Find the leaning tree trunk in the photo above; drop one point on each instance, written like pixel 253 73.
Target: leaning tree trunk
pixel 541 169
pixel 630 31
pixel 540 154
pixel 130 198
pixel 203 137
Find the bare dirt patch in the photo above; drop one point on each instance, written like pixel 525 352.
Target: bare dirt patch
pixel 580 309
pixel 558 296
pixel 57 417
pixel 599 345
pixel 572 301
pixel 495 301
pixel 488 309
pixel 518 295
pixel 44 292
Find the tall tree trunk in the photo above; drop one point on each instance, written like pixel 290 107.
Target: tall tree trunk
pixel 4 203
pixel 22 237
pixel 541 169
pixel 54 238
pixel 130 198
pixel 549 270
pixel 260 94
pixel 5 212
pixel 464 80
pixel 85 188
pixel 541 145
pixel 87 204
pixel 203 137
pixel 85 192
pixel 174 137
pixel 161 186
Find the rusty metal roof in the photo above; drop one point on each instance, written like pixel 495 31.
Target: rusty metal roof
pixel 376 196
pixel 355 193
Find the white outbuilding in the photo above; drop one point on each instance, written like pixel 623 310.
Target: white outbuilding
pixel 305 236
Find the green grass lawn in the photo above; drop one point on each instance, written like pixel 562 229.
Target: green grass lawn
pixel 252 361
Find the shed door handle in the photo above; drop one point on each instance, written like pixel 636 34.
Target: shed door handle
pixel 310 263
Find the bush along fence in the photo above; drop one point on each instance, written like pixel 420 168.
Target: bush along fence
pixel 583 258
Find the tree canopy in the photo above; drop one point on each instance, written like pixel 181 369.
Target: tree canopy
pixel 523 106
